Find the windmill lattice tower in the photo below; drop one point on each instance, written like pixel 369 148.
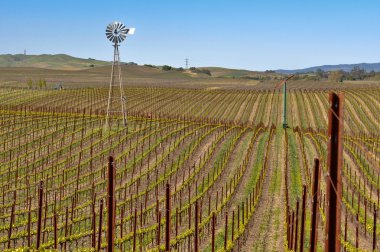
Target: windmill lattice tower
pixel 116 32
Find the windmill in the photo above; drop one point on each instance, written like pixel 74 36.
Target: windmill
pixel 116 32
pixel 283 84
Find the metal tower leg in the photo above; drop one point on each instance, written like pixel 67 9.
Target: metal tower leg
pixel 116 105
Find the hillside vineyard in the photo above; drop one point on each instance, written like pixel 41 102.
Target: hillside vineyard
pixel 223 156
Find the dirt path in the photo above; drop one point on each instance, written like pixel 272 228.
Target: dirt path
pixel 267 227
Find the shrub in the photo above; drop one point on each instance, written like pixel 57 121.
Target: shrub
pixel 166 68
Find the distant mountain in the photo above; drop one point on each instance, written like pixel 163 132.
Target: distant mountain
pixel 345 67
pixel 50 61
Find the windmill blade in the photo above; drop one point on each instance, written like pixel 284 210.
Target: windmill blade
pixel 116 32
pixel 122 27
pixel 123 36
pixel 124 30
pixel 119 25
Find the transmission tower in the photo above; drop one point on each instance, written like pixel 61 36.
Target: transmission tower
pixel 187 63
pixel 116 32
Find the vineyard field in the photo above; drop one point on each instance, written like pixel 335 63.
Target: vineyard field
pixel 230 167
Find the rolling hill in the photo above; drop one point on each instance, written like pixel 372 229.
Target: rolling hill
pixel 345 67
pixel 49 61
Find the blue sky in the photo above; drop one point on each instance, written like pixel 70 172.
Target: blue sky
pixel 249 34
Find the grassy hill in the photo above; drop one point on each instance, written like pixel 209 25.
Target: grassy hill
pixel 49 61
pixel 67 62
pixel 239 73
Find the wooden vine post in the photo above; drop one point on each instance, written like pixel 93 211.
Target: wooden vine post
pixel 334 176
pixel 213 232
pixel 39 220
pixel 167 218
pixel 315 210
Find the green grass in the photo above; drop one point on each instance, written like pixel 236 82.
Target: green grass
pixel 295 181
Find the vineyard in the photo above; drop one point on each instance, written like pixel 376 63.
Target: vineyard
pixel 195 170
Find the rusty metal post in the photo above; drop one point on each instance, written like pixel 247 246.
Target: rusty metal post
pixel 334 164
pixel 233 226
pixel 167 221
pixel 365 214
pixel 303 218
pixel 288 230
pixel 55 230
pixel 226 231
pixel 94 229
pixel 296 232
pixel 196 236
pixel 39 221
pixel 29 220
pixel 213 233
pixel 357 231
pixel 11 224
pixel 100 224
pixel 345 227
pixel 176 221
pixel 111 205
pixel 292 231
pixel 134 230
pixel 374 229
pixel 315 210
pixel 66 226
pixel 159 229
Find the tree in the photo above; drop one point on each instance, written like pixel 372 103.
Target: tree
pixel 336 76
pixel 321 74
pixel 42 83
pixel 166 68
pixel 357 73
